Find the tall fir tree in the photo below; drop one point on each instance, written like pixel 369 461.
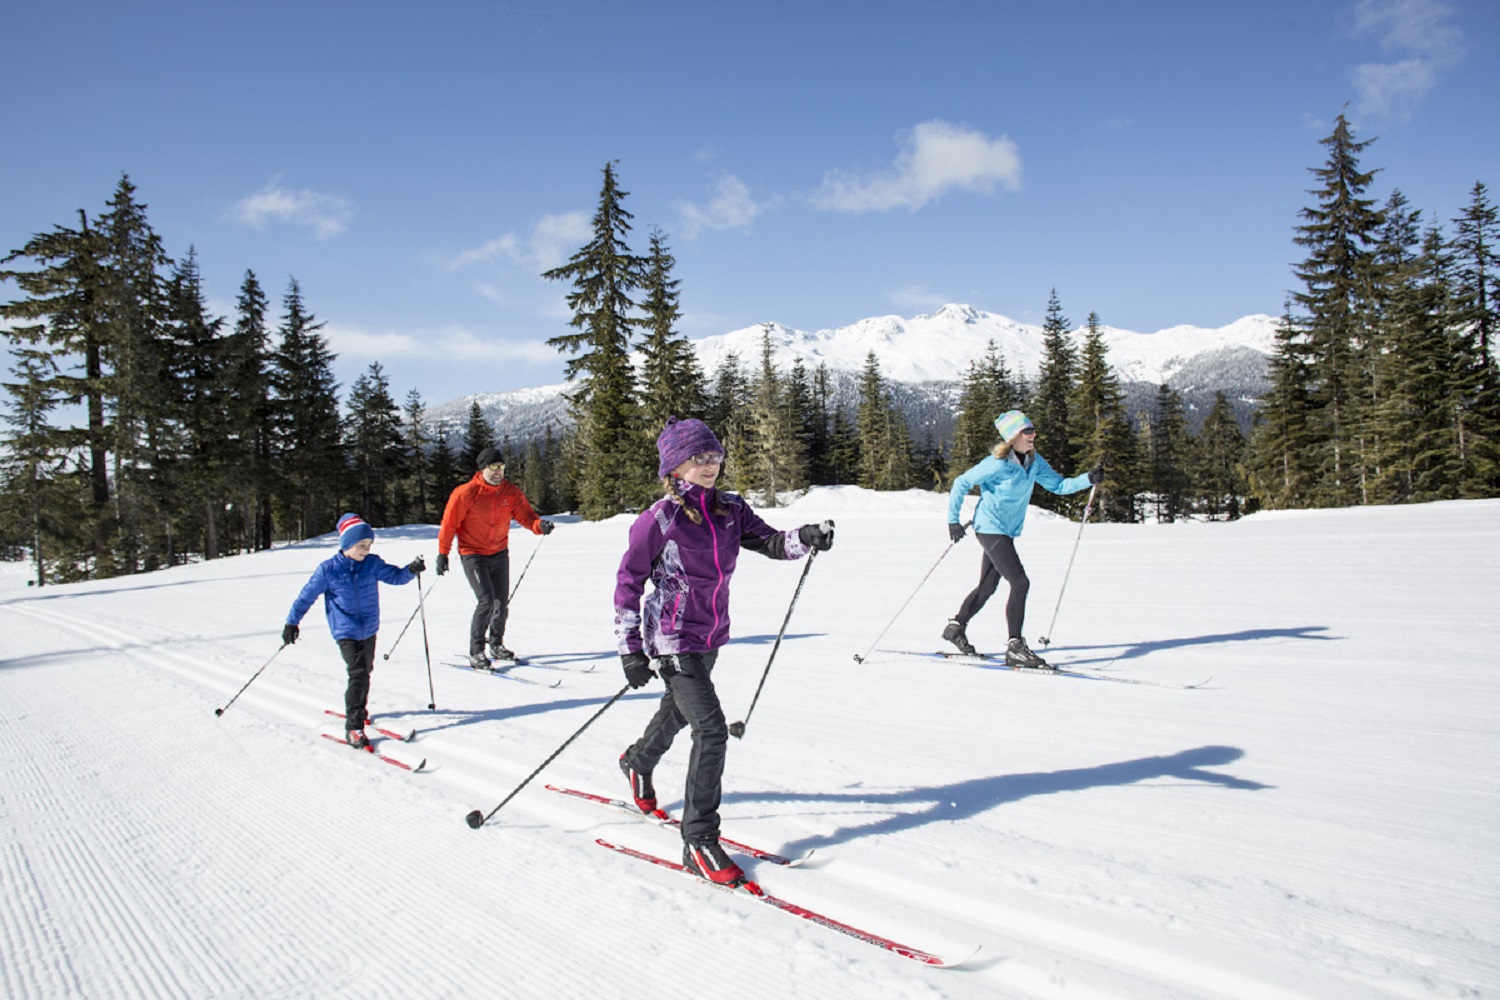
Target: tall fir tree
pixel 1339 282
pixel 615 467
pixel 773 460
pixel 375 445
pixel 252 413
pixel 885 447
pixel 307 421
pixel 1167 455
pixel 671 379
pixel 1283 463
pixel 728 415
pixel 479 434
pixel 136 357
pixel 988 390
pixel 1100 433
pixel 1048 406
pixel 1476 293
pixel 417 485
pixel 1217 462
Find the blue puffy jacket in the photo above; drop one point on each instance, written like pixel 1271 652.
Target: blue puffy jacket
pixel 1005 486
pixel 349 591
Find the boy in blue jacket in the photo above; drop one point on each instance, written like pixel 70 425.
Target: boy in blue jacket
pixel 348 584
pixel 1005 482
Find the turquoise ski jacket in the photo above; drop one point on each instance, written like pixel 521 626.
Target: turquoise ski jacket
pixel 1005 486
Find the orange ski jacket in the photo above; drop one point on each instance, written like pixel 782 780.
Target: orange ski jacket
pixel 479 516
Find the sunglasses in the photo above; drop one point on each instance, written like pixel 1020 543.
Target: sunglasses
pixel 1029 430
pixel 495 467
pixel 709 458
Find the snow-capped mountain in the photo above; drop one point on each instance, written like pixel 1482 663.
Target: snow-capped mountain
pixel 924 358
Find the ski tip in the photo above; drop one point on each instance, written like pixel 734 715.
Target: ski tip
pixel 940 963
pixel 421 765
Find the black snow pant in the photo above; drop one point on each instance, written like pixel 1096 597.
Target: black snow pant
pixel 359 657
pixel 489 576
pixel 999 562
pixel 690 701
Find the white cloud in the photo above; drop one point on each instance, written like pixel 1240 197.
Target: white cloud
pixel 1419 31
pixel 551 242
pixel 730 208
pixel 326 214
pixel 937 157
pixel 918 297
pixel 457 344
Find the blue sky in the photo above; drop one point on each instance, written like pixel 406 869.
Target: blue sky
pixel 416 167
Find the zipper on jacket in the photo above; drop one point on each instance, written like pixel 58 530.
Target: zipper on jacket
pixel 713 533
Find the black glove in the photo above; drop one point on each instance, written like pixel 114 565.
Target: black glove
pixel 416 566
pixel 442 563
pixel 546 527
pixel 289 633
pixel 956 530
pixel 1096 474
pixel 817 536
pixel 637 668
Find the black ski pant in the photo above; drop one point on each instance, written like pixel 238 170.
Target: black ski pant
pixel 690 701
pixel 359 657
pixel 489 576
pixel 999 562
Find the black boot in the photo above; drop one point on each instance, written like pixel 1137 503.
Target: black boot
pixel 1018 655
pixel 954 633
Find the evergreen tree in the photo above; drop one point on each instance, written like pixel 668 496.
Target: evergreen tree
pixel 140 392
pixel 1283 463
pixel 60 327
pixel 1339 280
pixel 728 415
pixel 1476 257
pixel 1217 470
pixel 252 412
pixel 1100 432
pixel 306 420
pixel 417 484
pixel 1048 407
pixel 206 448
pixel 478 435
pixel 671 379
pixel 611 441
pixel 885 448
pixel 773 461
pixel 375 444
pixel 446 475
pixel 819 424
pixel 34 454
pixel 988 390
pixel 1168 457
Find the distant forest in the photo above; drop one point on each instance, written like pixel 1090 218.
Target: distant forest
pixel 192 436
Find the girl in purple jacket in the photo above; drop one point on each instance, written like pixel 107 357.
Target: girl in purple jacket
pixel 687 544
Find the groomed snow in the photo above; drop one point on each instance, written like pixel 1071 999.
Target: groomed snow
pixel 1319 821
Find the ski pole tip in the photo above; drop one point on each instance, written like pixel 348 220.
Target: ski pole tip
pixel 475 819
pixel 218 711
pixel 737 730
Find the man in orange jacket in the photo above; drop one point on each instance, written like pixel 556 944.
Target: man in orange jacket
pixel 479 514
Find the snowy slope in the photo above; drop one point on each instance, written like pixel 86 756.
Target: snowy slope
pixel 1317 822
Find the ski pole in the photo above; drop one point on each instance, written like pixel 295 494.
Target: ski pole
pixel 1046 640
pixel 476 819
pixel 523 571
pixel 263 666
pixel 861 659
pixel 426 647
pixel 409 620
pixel 737 729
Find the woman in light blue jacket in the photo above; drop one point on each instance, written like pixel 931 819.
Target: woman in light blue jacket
pixel 1005 482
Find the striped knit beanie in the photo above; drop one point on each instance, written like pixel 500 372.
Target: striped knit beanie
pixel 1010 423
pixel 352 529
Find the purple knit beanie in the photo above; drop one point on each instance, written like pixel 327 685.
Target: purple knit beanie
pixel 680 440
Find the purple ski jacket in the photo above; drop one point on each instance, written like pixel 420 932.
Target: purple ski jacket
pixel 689 566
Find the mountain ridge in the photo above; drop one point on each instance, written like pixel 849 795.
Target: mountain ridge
pixel 925 357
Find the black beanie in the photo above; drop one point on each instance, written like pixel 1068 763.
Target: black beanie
pixel 489 457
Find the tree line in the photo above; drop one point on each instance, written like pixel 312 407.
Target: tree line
pixel 187 435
